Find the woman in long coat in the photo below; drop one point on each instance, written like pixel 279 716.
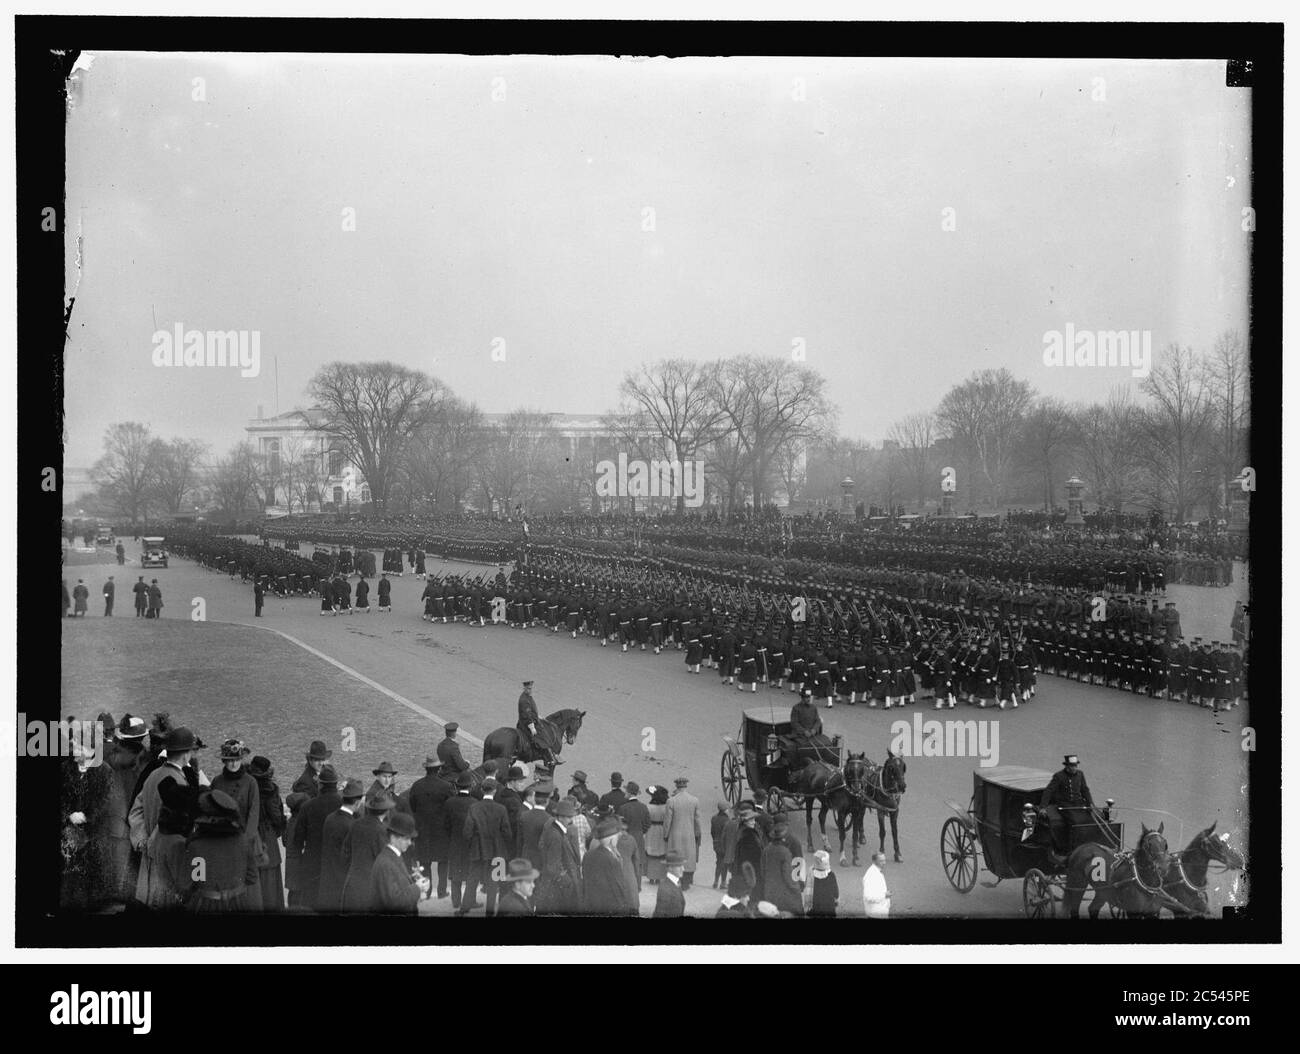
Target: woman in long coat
pixel 163 875
pixel 656 839
pixel 270 826
pixel 219 852
pixel 86 877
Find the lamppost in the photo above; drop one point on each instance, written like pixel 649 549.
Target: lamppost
pixel 1074 497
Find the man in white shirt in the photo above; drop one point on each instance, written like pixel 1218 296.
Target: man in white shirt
pixel 875 893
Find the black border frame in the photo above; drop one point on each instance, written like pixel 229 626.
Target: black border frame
pixel 45 48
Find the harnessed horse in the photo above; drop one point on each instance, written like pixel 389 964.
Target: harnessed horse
pixel 1130 881
pixel 850 792
pixel 553 732
pixel 1185 879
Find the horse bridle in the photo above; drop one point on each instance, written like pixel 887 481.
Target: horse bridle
pixel 1155 890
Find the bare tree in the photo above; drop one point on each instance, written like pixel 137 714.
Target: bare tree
pixel 791 465
pixel 1049 427
pixel 1105 448
pixel 729 461
pixel 1230 371
pixel 769 402
pixel 636 434
pixel 1176 423
pixel 987 412
pixel 519 452
pixel 914 435
pixel 371 410
pixel 235 479
pixel 678 399
pixel 127 469
pixel 444 451
pixel 176 471
pixel 960 420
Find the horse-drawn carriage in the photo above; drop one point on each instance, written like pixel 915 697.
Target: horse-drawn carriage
pixel 1002 822
pixel 797 772
pixel 759 755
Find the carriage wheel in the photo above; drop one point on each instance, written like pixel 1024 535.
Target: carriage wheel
pixel 1040 898
pixel 732 779
pixel 958 851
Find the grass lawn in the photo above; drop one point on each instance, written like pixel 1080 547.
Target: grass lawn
pixel 233 681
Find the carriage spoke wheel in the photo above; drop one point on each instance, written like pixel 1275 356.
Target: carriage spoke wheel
pixel 959 853
pixel 1040 899
pixel 732 780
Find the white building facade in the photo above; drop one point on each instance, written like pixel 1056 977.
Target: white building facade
pixel 306 468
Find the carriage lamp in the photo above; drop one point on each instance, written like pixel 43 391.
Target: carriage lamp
pixel 1110 802
pixel 1028 817
pixel 773 744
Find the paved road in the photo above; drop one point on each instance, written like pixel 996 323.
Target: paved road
pixel 651 720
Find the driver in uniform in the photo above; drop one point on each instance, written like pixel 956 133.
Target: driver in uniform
pixel 805 724
pixel 527 726
pixel 1064 803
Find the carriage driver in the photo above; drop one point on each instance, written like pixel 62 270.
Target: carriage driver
pixel 1064 801
pixel 805 721
pixel 527 725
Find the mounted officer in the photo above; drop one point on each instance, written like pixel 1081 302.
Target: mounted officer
pixel 527 726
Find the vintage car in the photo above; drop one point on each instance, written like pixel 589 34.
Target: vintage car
pixel 153 553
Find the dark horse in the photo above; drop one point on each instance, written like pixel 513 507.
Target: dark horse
pixel 861 785
pixel 1185 878
pixel 554 731
pixel 496 768
pixel 1129 881
pixel 885 789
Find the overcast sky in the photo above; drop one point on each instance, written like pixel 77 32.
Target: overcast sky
pixel 520 219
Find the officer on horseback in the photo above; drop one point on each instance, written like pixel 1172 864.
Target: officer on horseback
pixel 527 726
pixel 1064 802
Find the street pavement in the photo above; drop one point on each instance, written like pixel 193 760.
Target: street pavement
pixel 649 719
